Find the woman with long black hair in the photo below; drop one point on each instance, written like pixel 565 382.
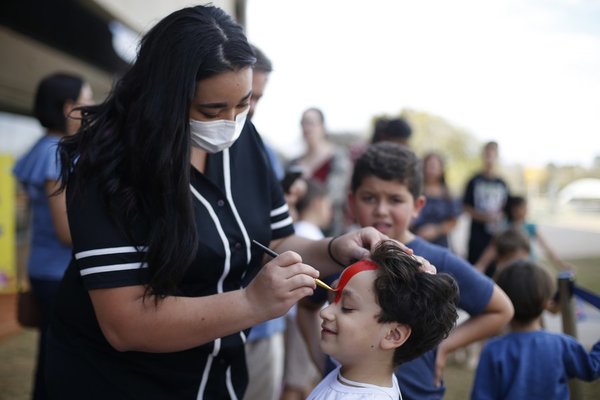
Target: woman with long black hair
pixel 167 185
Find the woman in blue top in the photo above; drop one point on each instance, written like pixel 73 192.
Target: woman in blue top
pixel 441 210
pixel 38 171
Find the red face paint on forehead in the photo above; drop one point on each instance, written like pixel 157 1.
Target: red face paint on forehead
pixel 349 272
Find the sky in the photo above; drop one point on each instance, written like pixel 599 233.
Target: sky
pixel 523 72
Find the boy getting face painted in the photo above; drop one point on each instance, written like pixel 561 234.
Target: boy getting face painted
pixel 386 311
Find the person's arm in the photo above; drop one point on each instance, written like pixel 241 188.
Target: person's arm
pixel 581 364
pixel 432 231
pixel 482 216
pixel 58 211
pixel 488 255
pixel 497 313
pixel 345 248
pixel 132 322
pixel 552 256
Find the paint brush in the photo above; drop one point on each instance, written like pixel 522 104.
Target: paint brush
pixel 274 254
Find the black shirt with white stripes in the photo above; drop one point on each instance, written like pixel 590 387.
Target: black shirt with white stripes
pixel 236 200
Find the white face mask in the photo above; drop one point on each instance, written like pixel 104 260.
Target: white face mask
pixel 215 136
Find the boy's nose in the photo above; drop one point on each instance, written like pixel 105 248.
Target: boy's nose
pixel 381 208
pixel 326 313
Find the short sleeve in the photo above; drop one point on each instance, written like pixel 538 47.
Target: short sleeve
pixel 52 165
pixel 475 288
pixel 104 255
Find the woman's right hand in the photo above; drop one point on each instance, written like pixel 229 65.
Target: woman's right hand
pixel 280 284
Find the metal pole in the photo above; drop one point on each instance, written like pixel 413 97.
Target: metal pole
pixel 566 280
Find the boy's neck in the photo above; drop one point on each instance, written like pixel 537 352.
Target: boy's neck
pixel 406 237
pixel 372 372
pixel 531 326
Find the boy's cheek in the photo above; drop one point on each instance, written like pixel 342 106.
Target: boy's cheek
pixel 363 216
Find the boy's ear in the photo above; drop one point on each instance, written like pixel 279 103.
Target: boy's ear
pixel 350 203
pixel 396 335
pixel 419 204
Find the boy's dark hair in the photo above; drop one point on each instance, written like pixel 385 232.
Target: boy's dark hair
pixel 509 241
pixel 528 286
pixel 511 203
pixel 51 95
pixel 392 129
pixel 407 295
pixel 391 162
pixel 491 145
pixel 314 190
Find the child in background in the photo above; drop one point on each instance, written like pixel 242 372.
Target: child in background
pixel 386 311
pixel 508 246
pixel 516 212
pixel 529 362
pixel 313 213
pixel 386 194
pixel 516 217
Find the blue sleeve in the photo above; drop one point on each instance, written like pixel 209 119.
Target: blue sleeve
pixel 580 364
pixel 487 385
pixel 282 224
pixel 531 230
pixel 456 207
pixel 275 162
pixel 475 288
pixel 52 163
pixel 39 164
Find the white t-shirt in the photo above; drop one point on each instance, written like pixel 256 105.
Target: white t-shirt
pixel 308 230
pixel 335 387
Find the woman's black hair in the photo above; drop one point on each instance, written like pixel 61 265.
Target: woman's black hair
pixel 434 154
pixel 51 95
pixel 136 144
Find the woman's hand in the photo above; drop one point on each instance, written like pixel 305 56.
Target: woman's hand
pixel 280 284
pixel 426 266
pixel 357 245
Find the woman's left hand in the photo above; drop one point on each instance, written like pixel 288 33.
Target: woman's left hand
pixel 359 244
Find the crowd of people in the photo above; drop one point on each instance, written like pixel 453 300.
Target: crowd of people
pixel 146 205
